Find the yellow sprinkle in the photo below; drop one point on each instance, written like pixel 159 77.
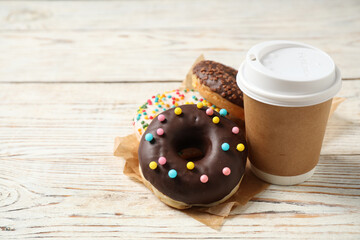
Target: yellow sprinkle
pixel 191 102
pixel 199 105
pixel 190 165
pixel 240 147
pixel 153 111
pixel 145 128
pixel 153 165
pixel 181 97
pixel 176 104
pixel 216 120
pixel 146 117
pixel 217 109
pixel 178 111
pixel 186 102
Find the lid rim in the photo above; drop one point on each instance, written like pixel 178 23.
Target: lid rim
pixel 288 100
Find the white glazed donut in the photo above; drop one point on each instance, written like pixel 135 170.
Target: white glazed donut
pixel 161 102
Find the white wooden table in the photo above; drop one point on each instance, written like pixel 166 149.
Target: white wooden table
pixel 72 75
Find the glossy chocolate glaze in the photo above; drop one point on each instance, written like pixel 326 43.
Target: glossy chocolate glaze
pixel 193 128
pixel 220 79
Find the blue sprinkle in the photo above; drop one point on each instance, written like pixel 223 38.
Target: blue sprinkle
pixel 193 97
pixel 138 117
pixel 156 99
pixel 223 112
pixel 159 106
pixel 144 113
pixel 156 110
pixel 164 99
pixel 169 96
pixel 149 137
pixel 164 109
pixel 172 173
pixel 213 106
pixel 225 147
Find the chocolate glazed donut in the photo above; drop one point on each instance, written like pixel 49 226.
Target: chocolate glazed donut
pixel 208 178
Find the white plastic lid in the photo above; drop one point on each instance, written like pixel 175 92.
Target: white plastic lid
pixel 290 74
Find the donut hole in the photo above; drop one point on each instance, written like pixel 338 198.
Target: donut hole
pixel 192 145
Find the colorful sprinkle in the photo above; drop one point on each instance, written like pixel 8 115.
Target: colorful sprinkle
pixel 162 160
pixel 199 105
pixel 209 112
pixel 149 102
pixel 172 173
pixel 190 165
pixel 160 131
pixel 216 120
pixel 161 117
pixel 240 147
pixel 153 165
pixel 225 147
pixel 223 112
pixel 149 137
pixel 204 178
pixel 178 111
pixel 235 130
pixel 226 171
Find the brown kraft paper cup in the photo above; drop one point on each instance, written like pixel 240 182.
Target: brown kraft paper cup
pixel 284 141
pixel 288 90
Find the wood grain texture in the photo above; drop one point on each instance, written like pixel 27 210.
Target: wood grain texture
pixel 59 179
pixel 119 41
pixel 72 74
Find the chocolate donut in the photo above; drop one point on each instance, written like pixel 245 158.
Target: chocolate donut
pixel 217 83
pixel 211 174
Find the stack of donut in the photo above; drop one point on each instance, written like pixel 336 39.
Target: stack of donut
pixel 190 152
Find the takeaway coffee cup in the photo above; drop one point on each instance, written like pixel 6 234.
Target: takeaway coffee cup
pixel 288 89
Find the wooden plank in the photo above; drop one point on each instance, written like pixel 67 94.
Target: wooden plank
pixel 59 179
pixel 70 111
pixel 153 40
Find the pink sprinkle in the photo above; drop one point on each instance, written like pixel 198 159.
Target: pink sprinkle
pixel 201 99
pixel 133 123
pixel 153 97
pixel 162 160
pixel 173 102
pixel 161 117
pixel 226 171
pixel 151 117
pixel 149 102
pixel 160 131
pixel 209 111
pixel 235 130
pixel 204 178
pixel 144 110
